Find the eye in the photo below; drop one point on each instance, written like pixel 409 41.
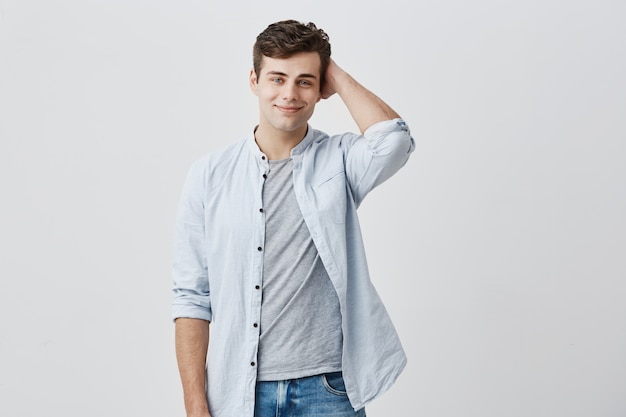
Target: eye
pixel 305 83
pixel 276 80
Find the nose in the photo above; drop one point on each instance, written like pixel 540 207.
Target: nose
pixel 290 91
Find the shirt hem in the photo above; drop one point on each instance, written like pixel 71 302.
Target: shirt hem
pixel 300 373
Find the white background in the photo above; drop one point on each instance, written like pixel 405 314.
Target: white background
pixel 499 249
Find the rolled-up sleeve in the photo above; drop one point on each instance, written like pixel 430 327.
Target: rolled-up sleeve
pixel 383 149
pixel 192 295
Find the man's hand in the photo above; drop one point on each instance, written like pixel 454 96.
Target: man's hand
pixel 332 73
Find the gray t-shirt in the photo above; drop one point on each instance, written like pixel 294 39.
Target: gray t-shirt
pixel 300 317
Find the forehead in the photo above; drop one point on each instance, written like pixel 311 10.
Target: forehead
pixel 300 63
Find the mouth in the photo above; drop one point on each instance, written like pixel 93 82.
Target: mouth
pixel 288 109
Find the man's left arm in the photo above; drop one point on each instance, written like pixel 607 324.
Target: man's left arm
pixel 385 143
pixel 365 107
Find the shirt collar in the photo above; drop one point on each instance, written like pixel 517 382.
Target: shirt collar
pixel 298 149
pixel 305 142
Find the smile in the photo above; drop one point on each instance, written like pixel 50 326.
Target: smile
pixel 288 109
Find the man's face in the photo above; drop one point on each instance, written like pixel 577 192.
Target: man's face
pixel 288 90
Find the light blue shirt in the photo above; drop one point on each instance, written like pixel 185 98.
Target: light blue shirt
pixel 218 256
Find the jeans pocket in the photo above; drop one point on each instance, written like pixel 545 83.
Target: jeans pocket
pixel 333 382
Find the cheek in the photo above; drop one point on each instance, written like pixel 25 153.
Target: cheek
pixel 313 96
pixel 269 93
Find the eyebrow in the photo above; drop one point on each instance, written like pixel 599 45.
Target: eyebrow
pixel 285 75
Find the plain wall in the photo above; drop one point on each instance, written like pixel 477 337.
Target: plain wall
pixel 499 249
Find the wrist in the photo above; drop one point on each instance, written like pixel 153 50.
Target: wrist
pixel 197 406
pixel 200 412
pixel 342 82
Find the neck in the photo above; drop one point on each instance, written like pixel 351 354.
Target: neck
pixel 278 144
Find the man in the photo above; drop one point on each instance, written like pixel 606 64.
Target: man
pixel 268 248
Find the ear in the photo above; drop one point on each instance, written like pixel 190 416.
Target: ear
pixel 254 82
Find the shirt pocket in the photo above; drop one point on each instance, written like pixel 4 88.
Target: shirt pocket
pixel 331 197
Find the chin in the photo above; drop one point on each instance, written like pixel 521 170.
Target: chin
pixel 288 127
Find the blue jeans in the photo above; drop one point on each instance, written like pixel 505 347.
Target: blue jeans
pixel 313 396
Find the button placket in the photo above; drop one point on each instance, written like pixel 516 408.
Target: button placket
pixel 255 316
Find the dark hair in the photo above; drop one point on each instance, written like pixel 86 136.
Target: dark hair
pixel 289 37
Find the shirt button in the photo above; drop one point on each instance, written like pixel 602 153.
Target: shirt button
pixel 263 157
pixel 255 325
pixel 259 249
pixel 256 287
pixel 264 175
pixel 261 210
pixel 252 363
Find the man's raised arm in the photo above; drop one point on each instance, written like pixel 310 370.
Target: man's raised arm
pixel 364 106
